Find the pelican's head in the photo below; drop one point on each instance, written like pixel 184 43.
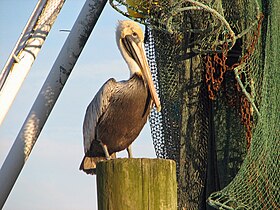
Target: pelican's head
pixel 130 40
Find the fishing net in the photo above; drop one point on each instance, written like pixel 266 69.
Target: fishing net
pixel 219 118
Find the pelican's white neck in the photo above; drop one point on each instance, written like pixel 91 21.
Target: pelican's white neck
pixel 132 65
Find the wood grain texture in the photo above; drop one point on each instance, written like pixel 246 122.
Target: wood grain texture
pixel 140 184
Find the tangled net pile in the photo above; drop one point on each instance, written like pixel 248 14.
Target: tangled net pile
pixel 220 101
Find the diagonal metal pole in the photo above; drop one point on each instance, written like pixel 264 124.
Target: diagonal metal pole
pixel 26 33
pixel 48 95
pixel 26 50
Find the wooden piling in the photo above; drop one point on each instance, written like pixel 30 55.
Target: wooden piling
pixel 138 184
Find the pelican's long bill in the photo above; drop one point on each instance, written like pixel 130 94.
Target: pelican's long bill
pixel 135 49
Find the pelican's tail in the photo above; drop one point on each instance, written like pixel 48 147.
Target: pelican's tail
pixel 88 164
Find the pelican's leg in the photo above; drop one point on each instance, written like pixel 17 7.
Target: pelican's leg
pixel 105 149
pixel 129 151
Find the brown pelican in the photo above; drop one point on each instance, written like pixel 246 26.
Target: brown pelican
pixel 119 110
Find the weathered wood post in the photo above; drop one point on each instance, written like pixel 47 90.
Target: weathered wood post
pixel 125 184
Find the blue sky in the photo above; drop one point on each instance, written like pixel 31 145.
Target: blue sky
pixel 50 179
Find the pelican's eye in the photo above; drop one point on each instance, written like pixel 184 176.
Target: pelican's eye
pixel 135 37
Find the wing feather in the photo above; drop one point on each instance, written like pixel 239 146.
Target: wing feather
pixel 95 110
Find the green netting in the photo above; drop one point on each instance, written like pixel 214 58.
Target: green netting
pixel 256 186
pixel 218 87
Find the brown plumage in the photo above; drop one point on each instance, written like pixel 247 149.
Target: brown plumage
pixel 119 110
